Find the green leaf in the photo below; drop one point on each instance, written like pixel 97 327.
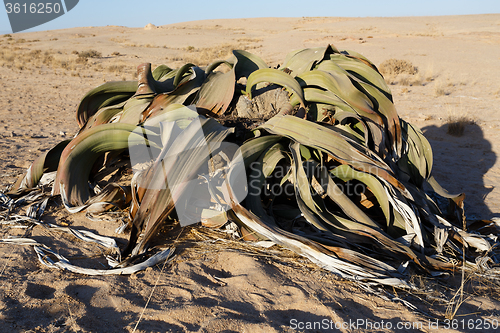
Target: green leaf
pixel 346 173
pixel 341 92
pixel 79 156
pixel 253 148
pixel 385 107
pixel 277 77
pixel 218 90
pixel 214 65
pixel 47 162
pixel 133 110
pixel 333 79
pixel 246 63
pixel 216 93
pixel 176 165
pixel 334 144
pixel 301 61
pixel 359 57
pixel 182 73
pixel 183 94
pixel 315 95
pixel 258 172
pixel 161 71
pixel 305 152
pixel 107 94
pixel 359 69
pixel 104 115
pixel 417 162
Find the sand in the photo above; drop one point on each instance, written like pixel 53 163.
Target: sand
pixel 217 286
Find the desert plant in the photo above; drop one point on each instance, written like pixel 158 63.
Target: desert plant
pixel 456 125
pixel 440 90
pixel 90 54
pixel 333 174
pixel 115 68
pixel 206 55
pixel 397 66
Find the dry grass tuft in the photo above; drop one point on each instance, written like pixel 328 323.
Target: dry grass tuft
pixel 249 40
pixel 16 58
pixel 11 40
pixel 394 67
pixel 405 81
pixel 6 56
pixel 90 54
pixel 497 93
pixel 456 125
pixel 440 89
pixel 206 55
pixel 401 72
pixel 116 68
pixel 128 43
pixel 119 40
pixel 81 60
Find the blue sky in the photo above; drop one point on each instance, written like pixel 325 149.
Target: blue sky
pixel 138 13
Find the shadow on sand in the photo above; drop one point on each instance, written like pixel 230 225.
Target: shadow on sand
pixel 460 164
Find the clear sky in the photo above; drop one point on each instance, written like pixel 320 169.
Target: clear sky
pixel 138 13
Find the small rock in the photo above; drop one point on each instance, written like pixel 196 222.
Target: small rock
pixel 62 133
pixel 150 26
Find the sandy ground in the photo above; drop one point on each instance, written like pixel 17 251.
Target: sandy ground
pixel 213 286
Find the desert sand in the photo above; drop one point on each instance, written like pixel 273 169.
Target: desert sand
pixel 216 285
